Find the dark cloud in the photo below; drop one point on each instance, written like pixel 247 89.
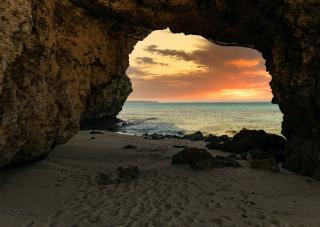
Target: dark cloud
pixel 149 61
pixel 210 55
pixel 169 52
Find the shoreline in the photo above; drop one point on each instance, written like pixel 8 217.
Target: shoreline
pixel 62 190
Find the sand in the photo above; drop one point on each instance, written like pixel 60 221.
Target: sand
pixel 62 190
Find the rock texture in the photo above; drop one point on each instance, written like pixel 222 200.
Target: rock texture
pixel 58 58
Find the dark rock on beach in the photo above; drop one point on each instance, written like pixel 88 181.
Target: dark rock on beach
pixel 224 138
pixel 246 140
pixel 129 146
pixel 197 136
pixel 157 136
pixel 179 146
pixel 212 138
pixel 216 142
pixel 188 154
pixel 96 133
pixel 154 136
pixel 199 158
pixel 214 145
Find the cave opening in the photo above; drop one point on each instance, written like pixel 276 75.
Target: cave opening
pixel 185 83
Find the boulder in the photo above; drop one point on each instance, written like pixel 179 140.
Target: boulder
pixel 197 136
pixel 216 142
pixel 199 158
pixel 129 146
pixel 224 138
pixel 96 133
pixel 214 145
pixel 212 138
pixel 190 155
pixel 246 140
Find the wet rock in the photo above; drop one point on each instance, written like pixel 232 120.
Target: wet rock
pixel 216 142
pixel 224 138
pixel 199 158
pixel 246 140
pixel 96 133
pixel 154 136
pixel 129 146
pixel 214 145
pixel 179 146
pixel 197 136
pixel 212 138
pixel 265 164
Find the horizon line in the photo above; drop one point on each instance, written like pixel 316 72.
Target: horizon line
pixel 200 101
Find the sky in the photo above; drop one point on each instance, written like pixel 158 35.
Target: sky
pixel 174 67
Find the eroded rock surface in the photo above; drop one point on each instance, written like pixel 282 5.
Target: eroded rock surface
pixel 59 57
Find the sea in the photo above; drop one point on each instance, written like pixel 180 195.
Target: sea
pixel 223 118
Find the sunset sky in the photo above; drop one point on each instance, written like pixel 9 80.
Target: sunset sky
pixel 175 67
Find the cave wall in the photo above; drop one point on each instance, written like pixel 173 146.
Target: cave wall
pixel 57 66
pixel 61 60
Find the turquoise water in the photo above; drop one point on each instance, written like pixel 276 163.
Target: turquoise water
pixel 215 118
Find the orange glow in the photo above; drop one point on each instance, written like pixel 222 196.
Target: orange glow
pixel 176 67
pixel 243 63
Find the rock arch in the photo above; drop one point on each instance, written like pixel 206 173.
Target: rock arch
pixel 62 62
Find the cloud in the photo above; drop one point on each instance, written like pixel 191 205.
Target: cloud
pixel 208 72
pixel 169 53
pixel 149 61
pixel 243 63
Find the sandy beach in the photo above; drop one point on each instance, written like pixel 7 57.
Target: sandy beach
pixel 62 190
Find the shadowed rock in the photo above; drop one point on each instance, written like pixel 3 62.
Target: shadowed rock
pixel 246 140
pixel 129 146
pixel 197 136
pixel 199 158
pixel 96 133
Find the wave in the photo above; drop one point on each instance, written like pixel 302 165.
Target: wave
pixel 150 126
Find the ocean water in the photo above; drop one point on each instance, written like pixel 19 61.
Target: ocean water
pixel 215 118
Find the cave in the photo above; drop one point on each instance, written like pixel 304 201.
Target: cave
pixel 63 63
